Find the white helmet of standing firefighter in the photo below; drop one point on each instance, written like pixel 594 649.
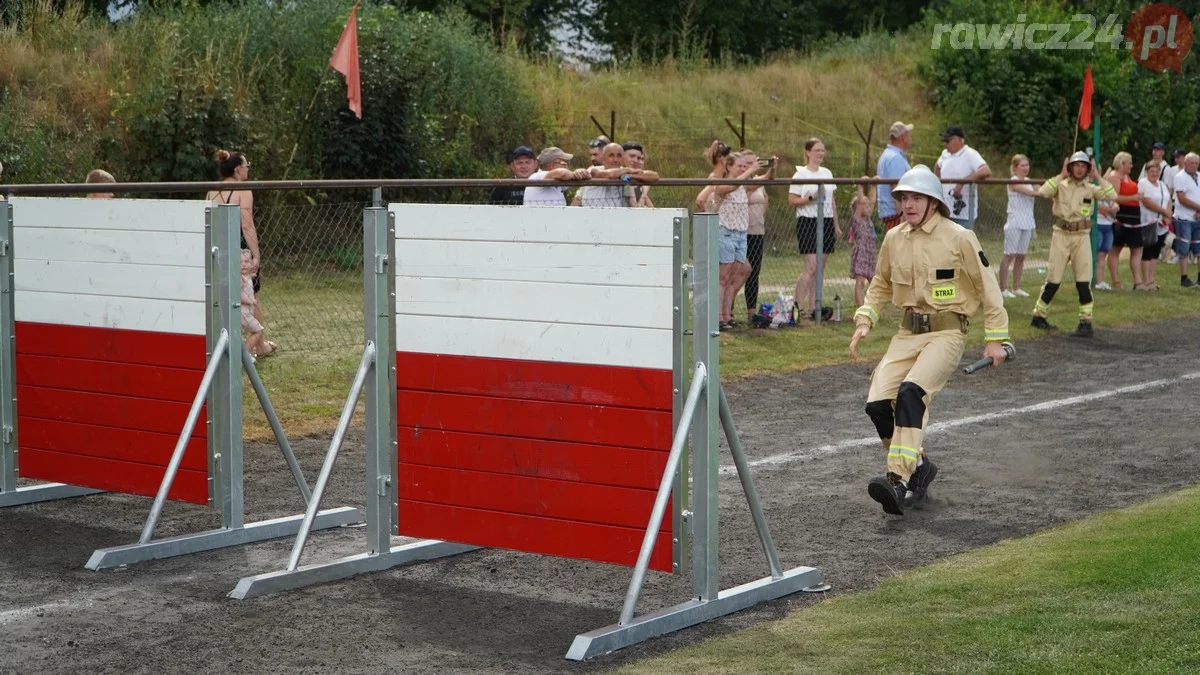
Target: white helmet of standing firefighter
pixel 920 180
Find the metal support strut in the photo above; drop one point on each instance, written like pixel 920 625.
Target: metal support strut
pixel 335 446
pixel 375 376
pixel 222 387
pixel 706 407
pixel 664 492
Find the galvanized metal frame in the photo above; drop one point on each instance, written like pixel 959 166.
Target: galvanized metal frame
pixel 223 381
pixel 681 381
pixel 377 372
pixel 710 410
pixel 701 413
pixel 10 493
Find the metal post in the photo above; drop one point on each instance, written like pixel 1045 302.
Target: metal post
pixel 819 281
pixel 225 405
pixel 680 329
pixel 752 498
pixel 973 206
pixel 339 437
pixel 705 460
pixel 379 310
pixel 377 197
pixel 8 354
pixel 212 322
pixel 664 491
pixel 219 355
pixel 280 436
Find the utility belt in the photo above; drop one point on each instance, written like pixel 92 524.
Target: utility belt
pixel 1073 226
pixel 919 324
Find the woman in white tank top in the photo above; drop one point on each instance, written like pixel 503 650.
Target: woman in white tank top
pixel 1018 229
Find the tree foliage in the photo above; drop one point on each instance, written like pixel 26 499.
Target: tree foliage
pixel 1028 99
pixel 744 30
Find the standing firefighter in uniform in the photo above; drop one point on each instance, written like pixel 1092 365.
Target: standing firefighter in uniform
pixel 1075 200
pixel 935 271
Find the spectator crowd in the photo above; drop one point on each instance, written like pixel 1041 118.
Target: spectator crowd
pixel 1155 216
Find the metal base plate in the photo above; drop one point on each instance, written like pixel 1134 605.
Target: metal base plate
pixel 283 580
pixel 116 556
pixel 43 493
pixel 609 639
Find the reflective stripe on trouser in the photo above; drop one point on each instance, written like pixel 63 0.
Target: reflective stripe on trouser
pixel 1068 247
pixel 927 361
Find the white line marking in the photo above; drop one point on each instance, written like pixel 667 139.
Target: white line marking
pixel 17 615
pixel 1053 404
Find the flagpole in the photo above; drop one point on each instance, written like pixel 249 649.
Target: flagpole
pixel 351 30
pixel 320 85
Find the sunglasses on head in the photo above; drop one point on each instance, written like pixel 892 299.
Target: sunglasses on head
pixel 597 143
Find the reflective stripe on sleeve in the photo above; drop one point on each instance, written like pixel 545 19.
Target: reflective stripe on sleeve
pixel 869 313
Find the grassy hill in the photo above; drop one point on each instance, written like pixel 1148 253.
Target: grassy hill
pixel 676 109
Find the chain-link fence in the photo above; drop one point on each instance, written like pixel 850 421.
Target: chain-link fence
pixel 311 279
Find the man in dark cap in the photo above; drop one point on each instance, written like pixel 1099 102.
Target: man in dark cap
pixel 1156 157
pixel 960 161
pixel 523 162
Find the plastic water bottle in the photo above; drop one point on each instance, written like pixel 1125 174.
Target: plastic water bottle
pixel 837 308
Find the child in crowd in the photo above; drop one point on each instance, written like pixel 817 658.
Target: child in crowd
pixel 863 237
pixel 100 176
pixel 251 325
pixel 1018 229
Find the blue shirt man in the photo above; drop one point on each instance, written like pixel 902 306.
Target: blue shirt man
pixel 893 163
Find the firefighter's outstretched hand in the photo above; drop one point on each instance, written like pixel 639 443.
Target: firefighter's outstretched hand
pixel 996 352
pixel 862 331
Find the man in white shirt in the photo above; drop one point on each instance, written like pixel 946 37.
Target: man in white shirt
pixel 1168 176
pixel 552 163
pixel 1187 203
pixel 960 161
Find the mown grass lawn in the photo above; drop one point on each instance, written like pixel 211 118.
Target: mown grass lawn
pixel 1118 592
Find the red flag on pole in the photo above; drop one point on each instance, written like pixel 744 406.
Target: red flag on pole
pixel 345 61
pixel 1085 106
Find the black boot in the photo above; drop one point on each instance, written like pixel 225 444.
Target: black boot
pixel 918 484
pixel 889 492
pixel 1041 322
pixel 1084 330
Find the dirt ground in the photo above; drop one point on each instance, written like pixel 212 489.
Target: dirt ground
pixel 1002 476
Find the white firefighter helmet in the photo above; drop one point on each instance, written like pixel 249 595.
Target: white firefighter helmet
pixel 920 180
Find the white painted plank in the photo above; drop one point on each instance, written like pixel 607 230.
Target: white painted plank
pixel 589 305
pixel 533 341
pixel 472 222
pixel 520 261
pixel 142 215
pixel 175 249
pixel 159 316
pixel 110 279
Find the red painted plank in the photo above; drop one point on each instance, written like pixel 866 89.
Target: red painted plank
pixel 127 445
pixel 597 464
pixel 626 427
pixel 108 377
pixel 545 497
pixel 125 412
pixel 535 380
pixel 602 543
pixel 111 475
pixel 111 344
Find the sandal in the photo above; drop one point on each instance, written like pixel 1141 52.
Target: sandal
pixel 274 348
